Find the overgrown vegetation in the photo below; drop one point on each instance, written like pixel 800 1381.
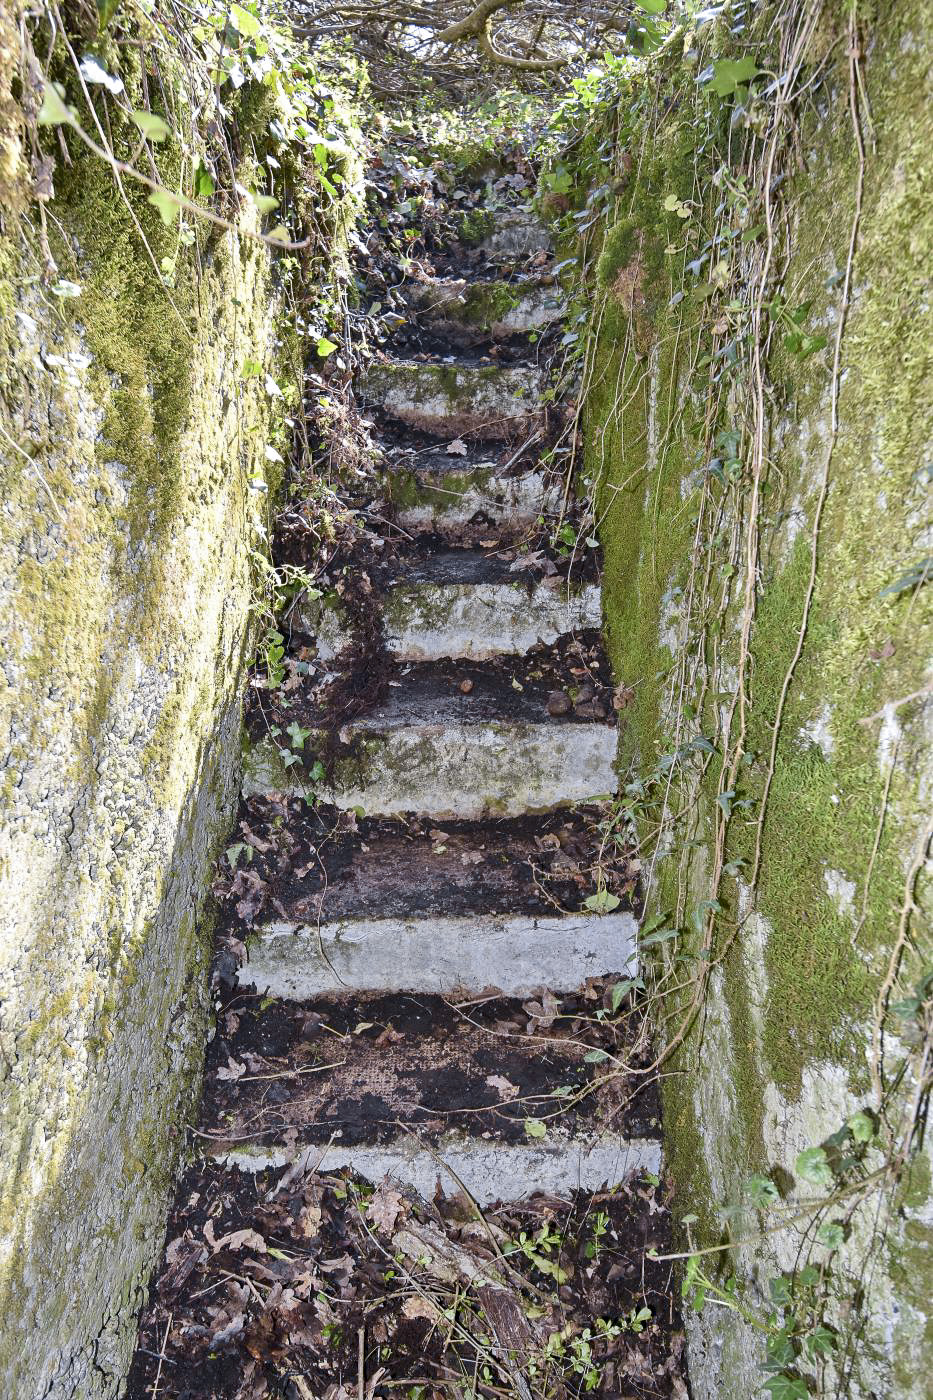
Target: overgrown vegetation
pixel 709 325
pixel 678 192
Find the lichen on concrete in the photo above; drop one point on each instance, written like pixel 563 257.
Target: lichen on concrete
pixel 131 446
pixel 781 1049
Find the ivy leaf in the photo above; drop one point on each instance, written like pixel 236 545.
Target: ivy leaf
pixel 812 1165
pixel 809 344
pixel 326 347
pixel 106 9
pixel 782 1387
pixel 821 1342
pixel 652 7
pixel 244 22
pixel 761 1191
pixel 535 1128
pixel 152 127
pixel 862 1126
pixel 921 573
pixel 167 205
pixel 54 110
pixel 731 73
pixel 602 902
pixel 663 935
pixel 831 1234
pixel 620 991
pixel 204 182
pixel 297 734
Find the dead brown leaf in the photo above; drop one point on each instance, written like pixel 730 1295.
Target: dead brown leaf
pixel 503 1087
pixel 385 1207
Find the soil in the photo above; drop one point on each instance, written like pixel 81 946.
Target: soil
pixel 359 1068
pixel 277 1287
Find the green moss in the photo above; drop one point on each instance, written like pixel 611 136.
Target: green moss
pixel 800 958
pixel 486 303
pixel 620 244
pixel 475 225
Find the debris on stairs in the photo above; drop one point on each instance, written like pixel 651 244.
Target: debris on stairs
pixel 429 1151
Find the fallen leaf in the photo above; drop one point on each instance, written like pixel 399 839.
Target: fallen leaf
pixel 241 1239
pixel 503 1087
pixel 416 1306
pixel 883 652
pixel 457 448
pixel 233 1070
pixel 384 1208
pixel 310 1221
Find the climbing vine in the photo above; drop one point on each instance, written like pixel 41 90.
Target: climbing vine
pixel 647 201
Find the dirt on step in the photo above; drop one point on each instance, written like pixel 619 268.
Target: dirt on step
pixel 356 1069
pixel 290 1285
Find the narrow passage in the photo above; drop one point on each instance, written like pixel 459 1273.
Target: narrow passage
pixel 428 1163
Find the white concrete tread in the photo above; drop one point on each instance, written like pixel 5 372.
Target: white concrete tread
pixel 514 954
pixel 456 398
pixel 490 1171
pixel 427 621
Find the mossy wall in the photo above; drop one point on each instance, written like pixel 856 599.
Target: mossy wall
pixel 136 484
pixel 815 856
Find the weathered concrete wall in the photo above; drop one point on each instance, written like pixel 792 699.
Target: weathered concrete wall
pixel 708 539
pixel 133 444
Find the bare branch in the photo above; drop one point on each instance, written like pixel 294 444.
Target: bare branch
pixel 527 65
pixel 476 24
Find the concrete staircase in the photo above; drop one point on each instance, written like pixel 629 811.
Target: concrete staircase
pixel 381 991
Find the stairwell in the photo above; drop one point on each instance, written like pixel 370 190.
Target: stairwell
pixel 425 1002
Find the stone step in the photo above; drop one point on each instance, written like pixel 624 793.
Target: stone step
pixel 433 490
pixel 467 953
pixel 451 400
pixel 516 233
pixel 490 1171
pixel 473 310
pixel 433 749
pixel 449 769
pixel 356 1069
pixel 461 603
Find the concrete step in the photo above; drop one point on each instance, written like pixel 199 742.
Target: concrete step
pixel 517 233
pixel 434 490
pixel 356 1069
pixel 466 953
pixel 490 1171
pixel 448 769
pixel 470 311
pixel 433 749
pixel 451 400
pixel 461 603
pixel 406 906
